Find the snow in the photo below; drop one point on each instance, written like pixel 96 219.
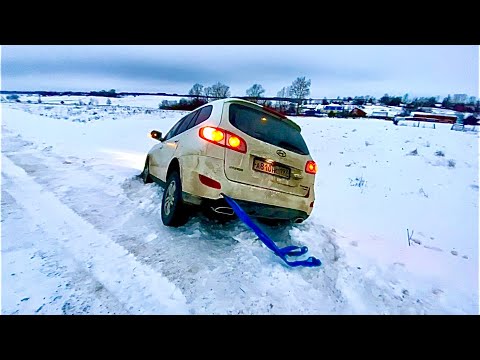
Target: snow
pixel 82 235
pixel 144 101
pixel 441 111
pixel 391 111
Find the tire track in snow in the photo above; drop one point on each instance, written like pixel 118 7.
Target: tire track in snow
pixel 45 279
pixel 215 266
pixel 219 268
pixel 136 285
pixel 208 261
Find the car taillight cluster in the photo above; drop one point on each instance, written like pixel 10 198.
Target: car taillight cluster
pixel 223 138
pixel 311 167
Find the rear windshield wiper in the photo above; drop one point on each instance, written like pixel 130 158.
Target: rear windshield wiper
pixel 291 147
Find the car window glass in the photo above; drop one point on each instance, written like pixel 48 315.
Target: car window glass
pixel 192 121
pixel 204 114
pixel 268 128
pixel 173 130
pixel 184 126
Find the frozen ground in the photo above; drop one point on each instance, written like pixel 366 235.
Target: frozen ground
pixel 81 235
pixel 144 101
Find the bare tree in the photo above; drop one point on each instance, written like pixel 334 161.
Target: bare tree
pixel 196 90
pixel 220 90
pixel 208 92
pixel 255 91
pixel 300 89
pixel 283 93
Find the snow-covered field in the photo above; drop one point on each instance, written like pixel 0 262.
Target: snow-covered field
pixel 144 101
pixel 82 235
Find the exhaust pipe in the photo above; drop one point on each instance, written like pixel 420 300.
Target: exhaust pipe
pixel 224 210
pixel 298 220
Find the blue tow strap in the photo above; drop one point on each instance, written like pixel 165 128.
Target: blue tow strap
pixel 280 252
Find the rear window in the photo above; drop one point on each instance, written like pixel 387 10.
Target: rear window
pixel 266 127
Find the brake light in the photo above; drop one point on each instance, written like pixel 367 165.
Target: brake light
pixel 311 167
pixel 212 134
pixel 223 138
pixel 234 141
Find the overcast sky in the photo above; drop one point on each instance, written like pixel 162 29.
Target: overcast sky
pixel 335 70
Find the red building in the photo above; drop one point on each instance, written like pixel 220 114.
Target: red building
pixel 441 118
pixel 358 112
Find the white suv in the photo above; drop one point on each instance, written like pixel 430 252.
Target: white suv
pixel 238 148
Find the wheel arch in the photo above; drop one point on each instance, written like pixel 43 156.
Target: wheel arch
pixel 174 166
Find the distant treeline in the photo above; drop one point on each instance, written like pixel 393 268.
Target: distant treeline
pixel 114 94
pixel 289 99
pixel 105 93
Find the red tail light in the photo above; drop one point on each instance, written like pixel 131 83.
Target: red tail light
pixel 311 167
pixel 212 134
pixel 223 138
pixel 209 182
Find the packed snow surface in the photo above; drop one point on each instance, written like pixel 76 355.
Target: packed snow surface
pixel 81 234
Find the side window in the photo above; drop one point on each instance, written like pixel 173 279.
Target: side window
pixel 173 130
pixel 186 123
pixel 204 114
pixel 189 121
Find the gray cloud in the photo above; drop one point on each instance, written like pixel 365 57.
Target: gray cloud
pixel 334 70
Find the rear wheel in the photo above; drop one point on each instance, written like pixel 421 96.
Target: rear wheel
pixel 174 211
pixel 146 173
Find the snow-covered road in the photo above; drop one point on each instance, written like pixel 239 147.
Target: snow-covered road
pixel 82 235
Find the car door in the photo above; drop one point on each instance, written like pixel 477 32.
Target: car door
pixel 163 153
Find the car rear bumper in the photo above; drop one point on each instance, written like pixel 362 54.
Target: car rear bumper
pixel 259 210
pixel 256 201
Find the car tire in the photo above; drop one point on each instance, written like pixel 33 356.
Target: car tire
pixel 147 179
pixel 174 211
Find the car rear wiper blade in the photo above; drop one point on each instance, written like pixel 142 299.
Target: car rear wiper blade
pixel 291 147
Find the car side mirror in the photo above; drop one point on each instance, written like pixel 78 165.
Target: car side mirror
pixel 157 135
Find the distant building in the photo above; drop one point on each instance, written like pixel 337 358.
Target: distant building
pixel 471 120
pixel 333 107
pixel 307 107
pixel 464 108
pixel 379 114
pixel 430 117
pixel 358 112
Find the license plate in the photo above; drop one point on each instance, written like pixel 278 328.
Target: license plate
pixel 276 170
